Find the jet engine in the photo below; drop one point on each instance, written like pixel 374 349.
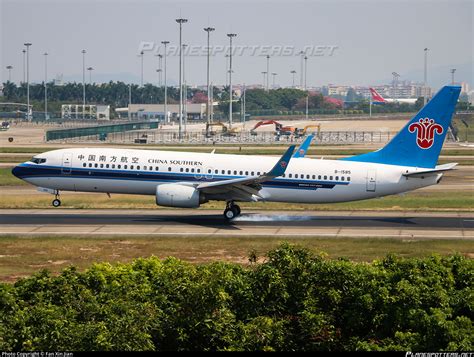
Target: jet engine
pixel 175 195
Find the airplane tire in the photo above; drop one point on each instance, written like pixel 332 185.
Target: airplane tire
pixel 230 213
pixel 56 203
pixel 237 210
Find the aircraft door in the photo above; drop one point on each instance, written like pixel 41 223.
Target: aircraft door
pixel 371 180
pixel 66 164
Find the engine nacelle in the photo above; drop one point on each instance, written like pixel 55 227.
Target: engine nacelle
pixel 175 195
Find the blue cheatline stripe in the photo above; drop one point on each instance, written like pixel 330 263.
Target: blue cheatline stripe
pixel 108 174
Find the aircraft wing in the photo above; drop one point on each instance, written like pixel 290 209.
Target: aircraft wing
pixel 301 152
pixel 246 188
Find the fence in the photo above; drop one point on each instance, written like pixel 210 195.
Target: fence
pixel 160 137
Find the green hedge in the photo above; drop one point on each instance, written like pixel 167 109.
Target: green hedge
pixel 294 300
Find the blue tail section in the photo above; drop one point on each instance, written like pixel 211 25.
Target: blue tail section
pixel 303 149
pixel 420 141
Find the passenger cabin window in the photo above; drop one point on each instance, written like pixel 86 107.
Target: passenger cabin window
pixel 348 179
pixel 342 178
pixel 290 175
pixel 84 165
pixel 169 168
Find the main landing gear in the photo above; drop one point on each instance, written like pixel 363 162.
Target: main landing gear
pixel 231 211
pixel 56 202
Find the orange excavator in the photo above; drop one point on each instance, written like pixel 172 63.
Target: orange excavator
pixel 279 128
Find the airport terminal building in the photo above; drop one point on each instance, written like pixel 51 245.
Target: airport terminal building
pixel 193 111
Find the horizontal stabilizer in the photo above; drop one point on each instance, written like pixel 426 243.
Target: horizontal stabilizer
pixel 425 172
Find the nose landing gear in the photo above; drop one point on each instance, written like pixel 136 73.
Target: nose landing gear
pixel 231 211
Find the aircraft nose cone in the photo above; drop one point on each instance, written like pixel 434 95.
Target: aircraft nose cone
pixel 18 171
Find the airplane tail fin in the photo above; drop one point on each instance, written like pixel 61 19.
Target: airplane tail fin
pixel 420 141
pixel 376 97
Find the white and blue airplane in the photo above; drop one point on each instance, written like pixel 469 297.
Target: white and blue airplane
pixel 187 180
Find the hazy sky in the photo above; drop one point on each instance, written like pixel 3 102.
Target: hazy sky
pixel 373 38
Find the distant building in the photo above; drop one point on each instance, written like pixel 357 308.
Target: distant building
pixel 157 111
pixel 78 111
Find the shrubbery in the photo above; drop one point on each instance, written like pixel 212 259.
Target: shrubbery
pixel 293 301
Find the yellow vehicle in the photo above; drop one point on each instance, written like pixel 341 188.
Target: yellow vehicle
pixel 224 130
pixel 302 132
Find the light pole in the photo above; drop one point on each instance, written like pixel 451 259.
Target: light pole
pixel 274 75
pixel 160 69
pixel 301 68
pixel 129 100
pixel 185 91
pixel 180 22
pixel 83 83
pixel 141 77
pixel 305 87
pixel 268 72
pixel 230 35
pixel 166 86
pixel 24 65
pixel 28 79
pixel 264 79
pixel 45 85
pixel 90 69
pixel 226 70
pixel 9 73
pixel 208 30
pixel 293 72
pixel 243 103
pixel 452 75
pixel 425 75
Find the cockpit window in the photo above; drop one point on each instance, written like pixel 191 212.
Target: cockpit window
pixel 38 160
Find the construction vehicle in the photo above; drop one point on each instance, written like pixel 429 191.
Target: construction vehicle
pixel 279 128
pixel 302 132
pixel 5 126
pixel 224 130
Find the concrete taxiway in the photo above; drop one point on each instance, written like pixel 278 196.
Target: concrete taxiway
pixel 164 222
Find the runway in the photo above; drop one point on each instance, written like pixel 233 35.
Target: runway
pixel 253 223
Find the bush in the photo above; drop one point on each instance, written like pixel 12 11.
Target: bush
pixel 294 301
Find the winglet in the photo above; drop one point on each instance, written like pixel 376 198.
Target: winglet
pixel 303 149
pixel 280 167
